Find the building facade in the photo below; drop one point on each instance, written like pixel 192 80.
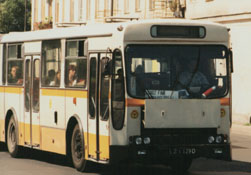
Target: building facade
pixel 61 13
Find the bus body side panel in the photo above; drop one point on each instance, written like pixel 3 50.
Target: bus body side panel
pixel 2 138
pixel 225 118
pixel 14 102
pixel 21 122
pixel 52 120
pixel 76 106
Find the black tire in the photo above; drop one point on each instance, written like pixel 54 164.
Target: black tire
pixel 78 150
pixel 2 146
pixel 180 166
pixel 12 138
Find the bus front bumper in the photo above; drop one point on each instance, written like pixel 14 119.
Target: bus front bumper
pixel 163 153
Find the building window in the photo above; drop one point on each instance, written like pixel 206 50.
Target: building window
pixel 72 11
pixel 151 4
pixel 35 11
pixel 100 9
pixel 43 10
pixel 49 8
pixel 115 7
pixel 63 10
pixel 15 64
pixel 137 5
pixel 57 11
pixel 107 8
pixel 51 63
pixel 88 9
pixel 80 10
pixel 75 64
pixel 126 6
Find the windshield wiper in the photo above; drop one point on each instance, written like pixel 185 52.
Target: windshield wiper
pixel 142 88
pixel 149 94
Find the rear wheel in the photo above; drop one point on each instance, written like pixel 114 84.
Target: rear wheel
pixel 12 138
pixel 78 149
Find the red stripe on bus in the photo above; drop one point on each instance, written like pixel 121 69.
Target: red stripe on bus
pixel 225 101
pixel 135 102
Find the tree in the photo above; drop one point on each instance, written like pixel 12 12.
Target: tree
pixel 12 15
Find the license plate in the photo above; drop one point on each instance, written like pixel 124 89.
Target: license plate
pixel 182 151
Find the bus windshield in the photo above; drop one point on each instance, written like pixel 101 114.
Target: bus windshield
pixel 174 72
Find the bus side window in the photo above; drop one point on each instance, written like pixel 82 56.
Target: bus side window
pixel 51 63
pixel 118 91
pixel 104 91
pixel 4 64
pixel 75 64
pixel 15 65
pixel 35 98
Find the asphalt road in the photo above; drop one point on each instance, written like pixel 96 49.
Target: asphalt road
pixel 42 163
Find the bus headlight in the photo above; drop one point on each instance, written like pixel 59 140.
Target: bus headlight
pixel 147 140
pixel 210 139
pixel 218 139
pixel 138 141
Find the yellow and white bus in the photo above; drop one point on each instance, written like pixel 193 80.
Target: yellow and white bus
pixel 156 91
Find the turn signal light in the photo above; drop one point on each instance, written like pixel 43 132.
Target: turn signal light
pixel 222 112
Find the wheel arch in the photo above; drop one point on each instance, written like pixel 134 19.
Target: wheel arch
pixel 11 112
pixel 73 120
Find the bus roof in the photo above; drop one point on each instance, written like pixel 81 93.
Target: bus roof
pixel 140 31
pixel 57 33
pixel 133 29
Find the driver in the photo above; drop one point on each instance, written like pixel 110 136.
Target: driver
pixel 190 76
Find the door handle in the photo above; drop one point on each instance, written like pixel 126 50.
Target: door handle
pixel 56 117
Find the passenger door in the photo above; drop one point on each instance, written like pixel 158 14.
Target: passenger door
pixel 98 118
pixel 31 101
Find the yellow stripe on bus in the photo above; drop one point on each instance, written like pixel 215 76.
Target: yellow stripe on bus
pixel 79 94
pixel 53 92
pixel 2 89
pixel 62 93
pixel 13 90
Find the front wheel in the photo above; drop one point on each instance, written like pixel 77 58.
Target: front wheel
pixel 12 138
pixel 78 149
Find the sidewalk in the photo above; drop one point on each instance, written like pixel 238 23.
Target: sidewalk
pixel 241 129
pixel 241 142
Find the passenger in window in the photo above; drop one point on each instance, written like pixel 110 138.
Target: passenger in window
pixel 72 76
pixel 51 76
pixel 15 76
pixel 56 81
